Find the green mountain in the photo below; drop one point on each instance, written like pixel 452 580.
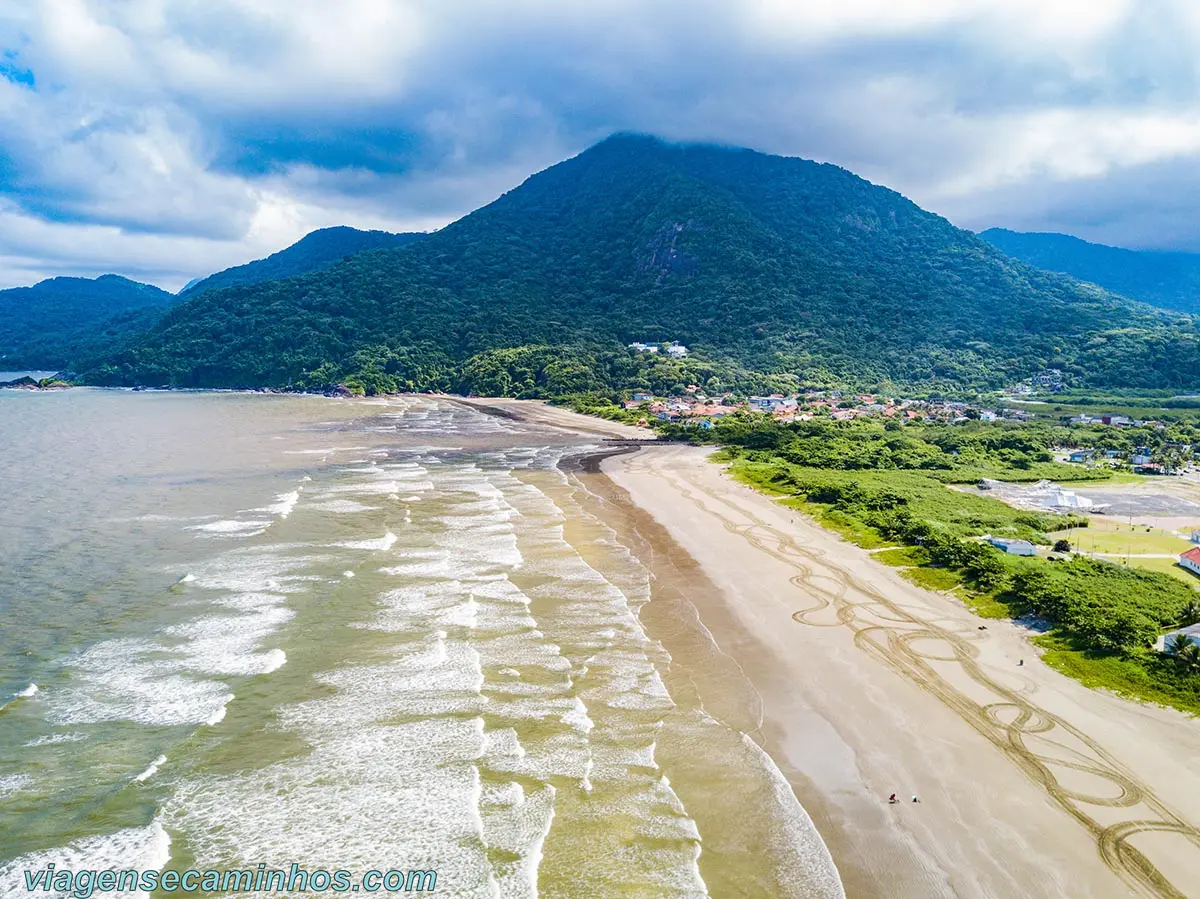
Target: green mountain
pixel 798 270
pixel 1169 280
pixel 59 320
pixel 315 251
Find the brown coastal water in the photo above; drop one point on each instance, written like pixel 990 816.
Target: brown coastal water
pixel 393 634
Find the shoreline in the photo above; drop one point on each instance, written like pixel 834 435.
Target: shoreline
pixel 858 684
pixel 871 685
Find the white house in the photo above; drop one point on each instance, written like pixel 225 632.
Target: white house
pixel 1014 547
pixel 1196 536
pixel 1191 560
pixel 1140 459
pixel 677 350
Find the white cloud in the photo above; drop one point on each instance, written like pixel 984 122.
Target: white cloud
pixel 170 137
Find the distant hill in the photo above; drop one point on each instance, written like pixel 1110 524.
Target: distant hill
pixel 1169 280
pixel 59 320
pixel 758 263
pixel 313 252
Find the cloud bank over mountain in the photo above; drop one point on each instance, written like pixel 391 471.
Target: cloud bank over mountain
pixel 165 139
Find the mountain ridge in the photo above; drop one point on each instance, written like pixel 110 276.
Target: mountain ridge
pixel 62 321
pixel 50 323
pixel 315 251
pixel 785 267
pixel 1164 278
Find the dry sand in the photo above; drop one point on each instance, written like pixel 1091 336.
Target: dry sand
pixel 1030 784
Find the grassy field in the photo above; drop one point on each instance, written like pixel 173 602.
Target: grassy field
pixel 1124 540
pixel 1164 566
pixel 1116 541
pixel 1149 680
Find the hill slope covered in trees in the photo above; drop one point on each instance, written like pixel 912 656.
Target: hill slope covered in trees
pixel 315 251
pixel 58 320
pixel 777 265
pixel 1169 280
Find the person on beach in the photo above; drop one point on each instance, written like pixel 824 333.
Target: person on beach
pixel 915 799
pixel 892 799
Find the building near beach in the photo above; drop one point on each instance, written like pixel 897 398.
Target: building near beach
pixel 1191 560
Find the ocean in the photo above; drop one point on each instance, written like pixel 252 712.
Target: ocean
pixel 357 634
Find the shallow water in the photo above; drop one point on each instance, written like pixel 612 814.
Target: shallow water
pixel 391 634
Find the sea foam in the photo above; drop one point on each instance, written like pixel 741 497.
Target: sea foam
pixel 152 770
pixel 146 848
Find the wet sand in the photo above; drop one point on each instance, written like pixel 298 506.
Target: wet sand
pixel 1030 784
pixel 538 412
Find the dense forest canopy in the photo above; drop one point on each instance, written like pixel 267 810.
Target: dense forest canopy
pixel 61 319
pixel 1169 280
pixel 796 271
pixel 315 251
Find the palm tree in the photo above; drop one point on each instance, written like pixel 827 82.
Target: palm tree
pixel 1177 643
pixel 1186 652
pixel 1190 613
pixel 1191 657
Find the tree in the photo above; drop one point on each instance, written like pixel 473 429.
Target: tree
pixel 1186 652
pixel 1191 613
pixel 1062 546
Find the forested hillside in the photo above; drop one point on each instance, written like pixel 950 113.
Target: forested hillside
pixel 315 251
pixel 59 320
pixel 1169 280
pixel 759 263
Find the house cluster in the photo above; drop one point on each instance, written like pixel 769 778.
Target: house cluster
pixel 1116 421
pixel 695 404
pixel 1050 380
pixel 1141 459
pixel 673 349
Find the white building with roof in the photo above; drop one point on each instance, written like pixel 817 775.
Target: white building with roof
pixel 1191 560
pixel 1013 547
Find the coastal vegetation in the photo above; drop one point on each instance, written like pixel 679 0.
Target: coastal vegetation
pixel 887 489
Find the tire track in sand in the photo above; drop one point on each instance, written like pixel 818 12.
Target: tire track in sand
pixel 1035 740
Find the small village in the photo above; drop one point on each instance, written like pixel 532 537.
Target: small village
pixel 702 409
pixel 694 407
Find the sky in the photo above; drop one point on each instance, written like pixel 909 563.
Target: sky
pixel 167 139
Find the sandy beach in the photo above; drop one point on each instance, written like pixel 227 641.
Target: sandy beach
pixel 1030 784
pixel 860 684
